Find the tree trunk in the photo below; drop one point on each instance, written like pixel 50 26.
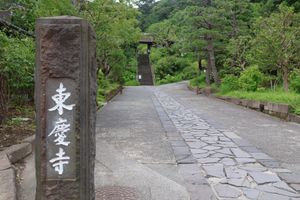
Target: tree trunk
pixel 235 28
pixel 3 97
pixel 211 67
pixel 208 71
pixel 199 63
pixel 207 2
pixel 285 78
pixel 211 57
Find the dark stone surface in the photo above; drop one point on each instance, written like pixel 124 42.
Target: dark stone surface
pixel 145 70
pixel 66 53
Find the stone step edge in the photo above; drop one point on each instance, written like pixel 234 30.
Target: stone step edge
pixel 8 157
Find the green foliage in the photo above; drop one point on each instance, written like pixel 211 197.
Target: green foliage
pixel 117 33
pixel 276 44
pixel 164 32
pixel 117 68
pixel 229 83
pixel 169 66
pixel 104 87
pixel 24 14
pixel 172 69
pixel 189 72
pixel 237 49
pixel 250 79
pixel 17 64
pixel 198 81
pixel 130 71
pixel 156 11
pixel 295 80
pixel 46 8
pixel 169 79
pixel 132 83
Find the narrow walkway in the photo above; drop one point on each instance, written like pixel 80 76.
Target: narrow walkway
pixel 187 143
pixel 133 153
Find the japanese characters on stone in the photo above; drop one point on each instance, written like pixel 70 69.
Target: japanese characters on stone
pixel 59 133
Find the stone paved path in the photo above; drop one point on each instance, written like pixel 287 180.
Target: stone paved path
pixel 166 143
pixel 232 172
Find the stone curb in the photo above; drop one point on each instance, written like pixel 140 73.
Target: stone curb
pixel 113 93
pixel 281 111
pixel 8 157
pixel 110 96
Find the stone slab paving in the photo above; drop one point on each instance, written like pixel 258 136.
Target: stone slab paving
pixel 194 178
pixel 232 172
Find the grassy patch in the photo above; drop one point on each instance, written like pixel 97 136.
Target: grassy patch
pixel 169 79
pixel 195 84
pixel 290 98
pixel 19 124
pixel 132 83
pixel 198 82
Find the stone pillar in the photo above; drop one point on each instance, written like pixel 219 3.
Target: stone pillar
pixel 65 97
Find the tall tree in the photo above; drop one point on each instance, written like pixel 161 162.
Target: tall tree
pixel 145 7
pixel 207 19
pixel 277 42
pixel 116 28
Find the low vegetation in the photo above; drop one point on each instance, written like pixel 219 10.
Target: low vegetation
pixel 292 99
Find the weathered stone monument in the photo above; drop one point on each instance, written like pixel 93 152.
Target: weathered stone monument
pixel 65 95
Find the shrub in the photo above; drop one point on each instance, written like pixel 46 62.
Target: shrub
pixel 295 80
pixel 250 79
pixel 229 83
pixel 169 79
pixel 132 83
pixel 199 81
pixel 130 71
pixel 189 72
pixel 169 65
pixel 17 65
